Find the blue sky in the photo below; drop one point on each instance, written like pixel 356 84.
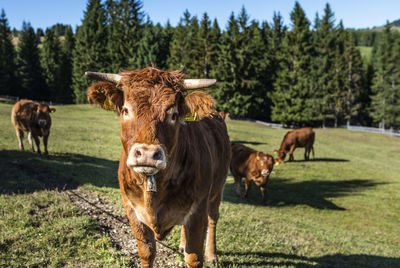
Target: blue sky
pixel 354 13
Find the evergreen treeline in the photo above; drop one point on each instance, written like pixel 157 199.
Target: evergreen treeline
pixel 303 73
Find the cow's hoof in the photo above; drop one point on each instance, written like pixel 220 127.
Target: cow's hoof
pixel 211 259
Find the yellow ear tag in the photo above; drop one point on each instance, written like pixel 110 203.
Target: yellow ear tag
pixel 276 163
pixel 108 105
pixel 191 117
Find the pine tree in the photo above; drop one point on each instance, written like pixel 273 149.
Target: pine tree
pixel 124 33
pixel 185 49
pixel 256 67
pixel 207 46
pixel 336 94
pixel 354 79
pixel 178 43
pixel 7 58
pixel 385 101
pixel 168 34
pixel 90 53
pixel 67 48
pixel 273 38
pixel 30 73
pixel 240 69
pixel 51 56
pixel 132 20
pixel 226 71
pixel 324 71
pixel 152 46
pixel 292 86
pixel 215 38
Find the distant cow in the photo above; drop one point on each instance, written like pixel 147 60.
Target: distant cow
pixel 223 114
pixel 34 118
pixel 253 165
pixel 174 160
pixel 303 137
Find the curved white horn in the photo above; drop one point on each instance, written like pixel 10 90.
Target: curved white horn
pixel 104 76
pixel 198 83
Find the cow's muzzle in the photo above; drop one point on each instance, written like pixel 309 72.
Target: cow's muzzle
pixel 42 122
pixel 146 159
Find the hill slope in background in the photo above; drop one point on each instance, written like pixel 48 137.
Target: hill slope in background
pixel 395 25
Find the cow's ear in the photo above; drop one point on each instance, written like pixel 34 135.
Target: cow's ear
pixel 198 105
pixel 52 110
pixel 107 95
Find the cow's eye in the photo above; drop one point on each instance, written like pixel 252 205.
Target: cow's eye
pixel 125 111
pixel 173 118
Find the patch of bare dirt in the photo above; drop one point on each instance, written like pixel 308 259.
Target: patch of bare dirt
pixel 109 218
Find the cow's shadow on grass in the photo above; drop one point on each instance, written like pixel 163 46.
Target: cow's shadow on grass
pixel 248 142
pixel 319 160
pixel 261 259
pixel 288 192
pixel 26 172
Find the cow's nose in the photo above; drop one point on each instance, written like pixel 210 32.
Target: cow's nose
pixel 158 155
pixel 141 153
pixel 138 152
pixel 146 159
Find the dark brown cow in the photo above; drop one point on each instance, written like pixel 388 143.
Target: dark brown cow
pixel 303 137
pixel 34 118
pixel 253 165
pixel 174 160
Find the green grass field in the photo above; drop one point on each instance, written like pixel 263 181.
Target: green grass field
pixel 341 209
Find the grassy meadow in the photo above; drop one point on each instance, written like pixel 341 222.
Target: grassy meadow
pixel 341 209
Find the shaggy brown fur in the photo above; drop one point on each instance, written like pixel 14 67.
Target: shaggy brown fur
pixel 303 137
pixel 34 118
pixel 253 165
pixel 189 189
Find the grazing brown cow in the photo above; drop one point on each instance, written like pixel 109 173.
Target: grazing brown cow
pixel 34 118
pixel 253 165
pixel 174 160
pixel 303 137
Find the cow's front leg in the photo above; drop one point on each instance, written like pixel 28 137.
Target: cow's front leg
pixel 238 182
pixel 263 190
pixel 30 141
pixel 144 237
pixel 195 232
pixel 37 141
pixel 248 187
pixel 213 215
pixel 291 157
pixel 182 243
pixel 20 136
pixel 45 139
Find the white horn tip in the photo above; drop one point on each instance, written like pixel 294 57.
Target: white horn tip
pixel 198 83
